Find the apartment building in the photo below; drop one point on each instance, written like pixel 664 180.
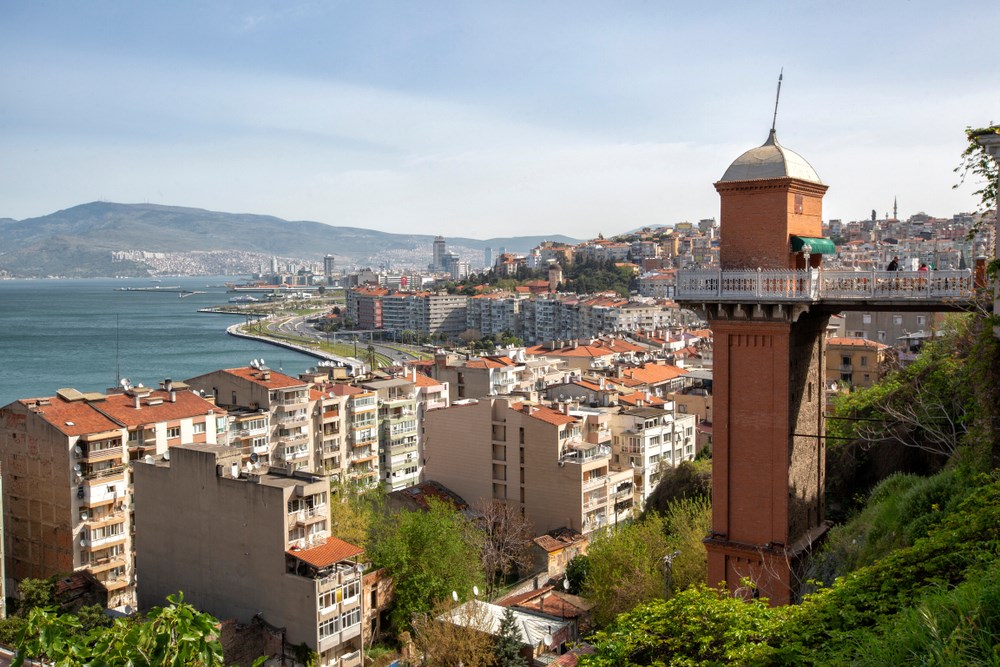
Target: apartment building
pixel 399 448
pixel 856 361
pixel 68 492
pixel 256 389
pixel 480 376
pixel 244 546
pixel 364 306
pixel 648 440
pixel 330 429
pixel 360 461
pixel 494 314
pixel 555 466
pixel 888 327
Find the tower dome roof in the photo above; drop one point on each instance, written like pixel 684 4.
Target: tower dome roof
pixel 772 160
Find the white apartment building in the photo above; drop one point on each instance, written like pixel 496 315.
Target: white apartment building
pixel 649 439
pixel 285 400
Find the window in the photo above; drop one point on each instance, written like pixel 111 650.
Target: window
pixel 866 318
pixel 864 361
pixel 330 626
pixel 845 361
pixel 897 320
pixel 921 320
pixel 175 431
pixel 881 336
pixel 199 427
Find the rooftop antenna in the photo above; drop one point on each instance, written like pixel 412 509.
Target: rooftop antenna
pixel 774 119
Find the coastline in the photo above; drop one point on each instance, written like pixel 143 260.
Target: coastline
pixel 234 330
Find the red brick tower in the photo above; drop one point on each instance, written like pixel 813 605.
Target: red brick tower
pixel 768 467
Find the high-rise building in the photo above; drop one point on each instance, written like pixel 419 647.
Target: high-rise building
pixel 329 267
pixel 439 249
pixel 488 257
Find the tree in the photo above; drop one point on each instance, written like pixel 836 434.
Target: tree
pixel 626 567
pixel 428 555
pixel 577 570
pixel 177 635
pixel 351 510
pixel 450 635
pixel 507 540
pixel 688 521
pixel 976 161
pixel 507 647
pixel 689 479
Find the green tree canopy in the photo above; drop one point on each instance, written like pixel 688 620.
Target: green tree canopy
pixel 428 555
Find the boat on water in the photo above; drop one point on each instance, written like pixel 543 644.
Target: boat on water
pixel 244 298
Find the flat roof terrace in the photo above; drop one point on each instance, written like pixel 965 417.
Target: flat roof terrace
pixel 832 289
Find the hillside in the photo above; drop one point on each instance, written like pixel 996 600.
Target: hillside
pixel 78 241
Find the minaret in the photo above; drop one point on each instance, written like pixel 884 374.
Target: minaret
pixel 895 208
pixel 768 456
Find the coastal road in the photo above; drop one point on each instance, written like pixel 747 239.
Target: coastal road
pixel 298 326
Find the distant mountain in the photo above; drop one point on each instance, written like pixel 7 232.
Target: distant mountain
pixel 79 241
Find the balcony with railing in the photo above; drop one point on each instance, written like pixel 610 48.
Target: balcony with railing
pixel 947 288
pixel 581 452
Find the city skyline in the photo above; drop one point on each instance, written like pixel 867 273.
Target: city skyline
pixel 457 119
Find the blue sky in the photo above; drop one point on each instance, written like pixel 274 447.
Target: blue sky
pixel 485 118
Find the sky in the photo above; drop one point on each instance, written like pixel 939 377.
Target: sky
pixel 484 119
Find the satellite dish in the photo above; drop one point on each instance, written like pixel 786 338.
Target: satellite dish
pixel 261 362
pixel 548 639
pixel 83 541
pixel 475 591
pixel 166 456
pixel 254 458
pixel 77 468
pixel 253 363
pixel 566 583
pixel 124 383
pixel 147 459
pixel 84 516
pixel 78 451
pixel 139 386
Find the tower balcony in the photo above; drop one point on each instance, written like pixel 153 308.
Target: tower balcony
pixel 846 290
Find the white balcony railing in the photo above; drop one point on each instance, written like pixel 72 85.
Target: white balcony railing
pixel 817 284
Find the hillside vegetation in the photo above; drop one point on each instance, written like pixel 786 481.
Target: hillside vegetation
pixel 912 578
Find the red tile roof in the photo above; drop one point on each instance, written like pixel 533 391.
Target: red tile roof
pixel 121 407
pixel 545 414
pixel 856 342
pixel 653 373
pixel 275 379
pixel 490 362
pixel 333 551
pixel 426 381
pixel 70 418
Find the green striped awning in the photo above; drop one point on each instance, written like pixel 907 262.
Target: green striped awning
pixel 817 245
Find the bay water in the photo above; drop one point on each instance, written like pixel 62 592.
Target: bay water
pixel 73 333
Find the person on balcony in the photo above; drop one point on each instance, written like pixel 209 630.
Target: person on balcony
pixel 893 265
pixel 923 267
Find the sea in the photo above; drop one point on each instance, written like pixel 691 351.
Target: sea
pixel 86 334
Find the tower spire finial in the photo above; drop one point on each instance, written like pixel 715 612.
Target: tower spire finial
pixel 777 97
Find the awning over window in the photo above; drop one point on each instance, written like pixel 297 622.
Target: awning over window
pixel 818 246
